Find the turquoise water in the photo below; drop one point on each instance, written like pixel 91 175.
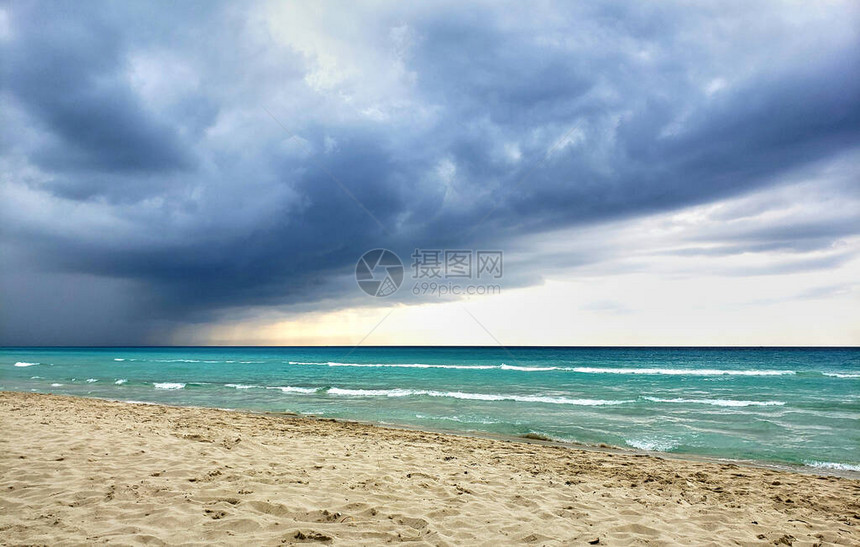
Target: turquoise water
pixel 796 406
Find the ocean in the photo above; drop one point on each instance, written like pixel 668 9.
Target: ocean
pixel 788 406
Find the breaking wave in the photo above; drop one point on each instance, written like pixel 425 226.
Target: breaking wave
pixel 580 370
pixel 169 385
pixel 715 402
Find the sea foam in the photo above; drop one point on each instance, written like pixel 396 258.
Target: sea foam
pixel 168 385
pixel 23 364
pixel 653 445
pixel 292 389
pixel 458 419
pixel 397 365
pixel 581 370
pixel 526 369
pixel 833 465
pixel 680 371
pixel 473 396
pixel 715 402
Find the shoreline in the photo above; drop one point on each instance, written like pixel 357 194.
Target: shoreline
pixel 135 473
pixel 601 447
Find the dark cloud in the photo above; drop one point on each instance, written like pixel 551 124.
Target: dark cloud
pixel 140 149
pixel 65 67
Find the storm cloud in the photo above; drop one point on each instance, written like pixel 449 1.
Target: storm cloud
pixel 164 163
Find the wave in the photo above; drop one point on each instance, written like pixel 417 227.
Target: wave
pixel 833 465
pixel 292 389
pixel 56 385
pixel 429 365
pixel 169 385
pixel 680 371
pixel 119 359
pixel 581 370
pixel 546 399
pixel 473 396
pixel 91 380
pixel 458 419
pixel 526 369
pixel 715 402
pixel 371 392
pixel 653 445
pixel 841 374
pixel 396 365
pixel 120 381
pixel 23 364
pixel 283 389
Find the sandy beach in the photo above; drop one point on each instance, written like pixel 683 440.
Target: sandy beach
pixel 92 471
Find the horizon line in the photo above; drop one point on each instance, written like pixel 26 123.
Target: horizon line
pixel 216 346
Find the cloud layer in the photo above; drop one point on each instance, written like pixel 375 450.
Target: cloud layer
pixel 174 162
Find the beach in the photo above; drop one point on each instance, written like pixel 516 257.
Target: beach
pixel 792 406
pixel 77 470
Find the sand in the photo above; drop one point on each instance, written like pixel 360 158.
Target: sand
pixel 76 470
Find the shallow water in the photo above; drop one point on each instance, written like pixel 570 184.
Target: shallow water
pixel 797 406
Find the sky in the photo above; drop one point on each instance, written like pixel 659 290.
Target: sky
pixel 668 173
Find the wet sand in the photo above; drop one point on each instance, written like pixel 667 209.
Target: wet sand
pixel 76 470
